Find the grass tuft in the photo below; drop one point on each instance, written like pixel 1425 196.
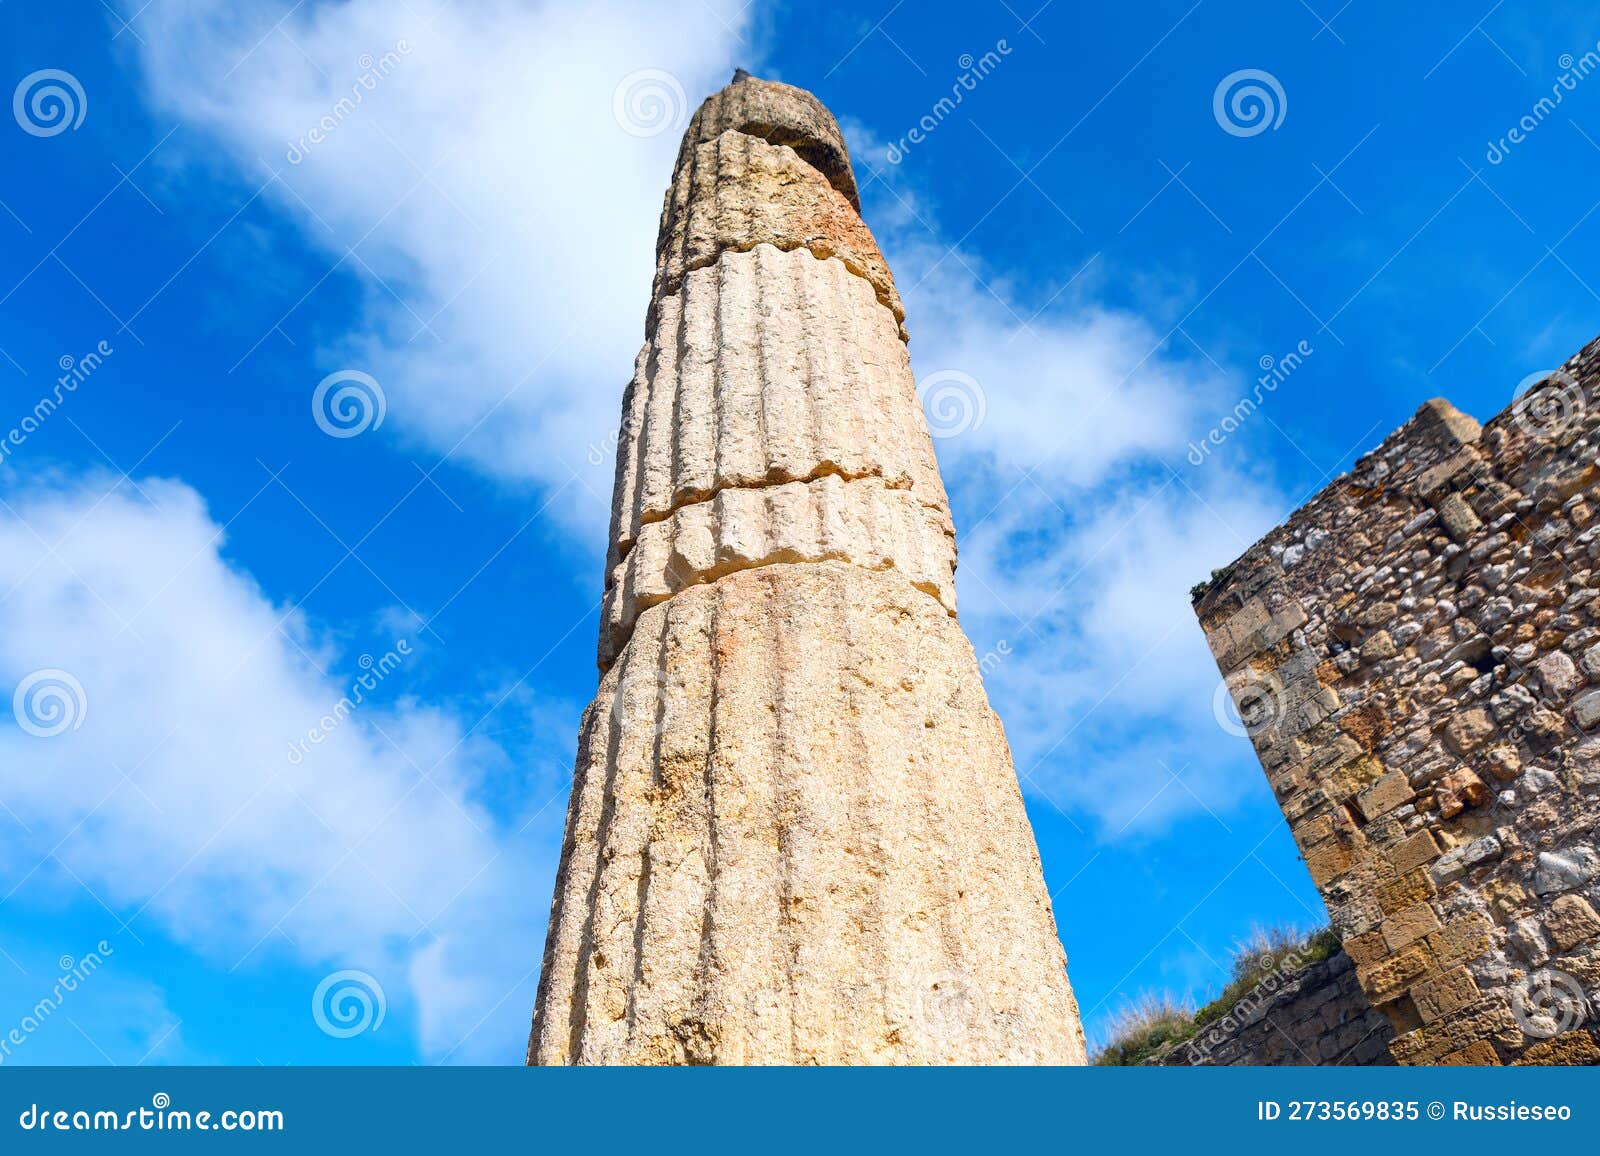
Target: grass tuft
pixel 1148 1024
pixel 1265 952
pixel 1144 1026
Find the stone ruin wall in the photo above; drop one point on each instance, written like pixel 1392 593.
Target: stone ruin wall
pixel 1416 656
pixel 1315 1015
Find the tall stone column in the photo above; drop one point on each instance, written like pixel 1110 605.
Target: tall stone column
pixel 795 834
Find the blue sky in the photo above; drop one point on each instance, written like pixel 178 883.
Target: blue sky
pixel 1087 247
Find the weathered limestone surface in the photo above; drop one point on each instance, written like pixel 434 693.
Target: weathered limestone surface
pixel 779 114
pixel 795 837
pixel 861 521
pixel 768 367
pixel 1315 1015
pixel 795 834
pixel 1416 655
pixel 738 192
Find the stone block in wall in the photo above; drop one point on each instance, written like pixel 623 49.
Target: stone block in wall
pixel 1466 731
pixel 1415 851
pixel 1460 940
pixel 1329 862
pixel 1445 427
pixel 1408 925
pixel 1576 1048
pixel 1368 948
pixel 1313 831
pixel 1384 795
pixel 1441 994
pixel 1411 888
pixel 1391 977
pixel 1358 776
pixel 1253 629
pixel 1563 870
pixel 1458 518
pixel 1571 921
pixel 1457 469
pixel 1478 1054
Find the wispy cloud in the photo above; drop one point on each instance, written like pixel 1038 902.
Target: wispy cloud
pixel 162 772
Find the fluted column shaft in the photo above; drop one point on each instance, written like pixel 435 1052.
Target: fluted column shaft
pixel 795 834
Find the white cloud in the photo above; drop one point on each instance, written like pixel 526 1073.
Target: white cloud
pixel 501 216
pixel 175 799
